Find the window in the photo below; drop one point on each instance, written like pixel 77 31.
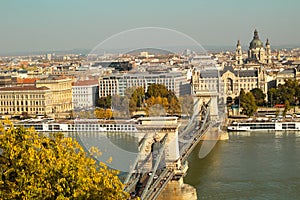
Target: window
pixel 229 84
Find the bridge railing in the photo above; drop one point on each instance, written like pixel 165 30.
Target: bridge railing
pixel 199 131
pixel 159 156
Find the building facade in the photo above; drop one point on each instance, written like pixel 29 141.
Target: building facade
pixel 245 73
pixel 109 85
pixel 49 95
pixel 228 81
pixel 6 80
pixel 61 89
pixel 85 93
pixel 32 100
pixel 117 85
pixel 288 74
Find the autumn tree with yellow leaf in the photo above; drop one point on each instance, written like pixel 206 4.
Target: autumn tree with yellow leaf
pixel 159 94
pixel 33 166
pixel 103 113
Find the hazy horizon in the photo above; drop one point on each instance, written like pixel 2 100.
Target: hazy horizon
pixel 34 26
pixel 209 48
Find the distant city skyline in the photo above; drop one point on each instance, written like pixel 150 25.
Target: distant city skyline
pixel 35 26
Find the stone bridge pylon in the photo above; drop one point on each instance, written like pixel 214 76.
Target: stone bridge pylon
pixel 212 96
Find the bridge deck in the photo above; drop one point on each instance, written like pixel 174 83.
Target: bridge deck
pixel 188 140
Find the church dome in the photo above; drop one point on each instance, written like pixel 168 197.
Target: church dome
pixel 256 43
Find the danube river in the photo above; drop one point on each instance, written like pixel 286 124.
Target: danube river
pixel 248 166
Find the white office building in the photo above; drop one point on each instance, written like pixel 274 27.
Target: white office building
pixel 85 93
pixel 117 84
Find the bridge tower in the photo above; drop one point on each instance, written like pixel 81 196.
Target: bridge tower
pixel 212 96
pixel 158 132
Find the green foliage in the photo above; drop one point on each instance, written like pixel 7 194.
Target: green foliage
pixel 259 96
pixel 104 102
pixel 37 167
pixel 159 94
pixel 155 90
pixel 247 102
pixel 237 100
pixel 272 96
pixel 136 98
pixel 156 94
pixel 290 92
pixel 277 112
pixel 287 107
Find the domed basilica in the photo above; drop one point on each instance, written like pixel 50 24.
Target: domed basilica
pixel 257 53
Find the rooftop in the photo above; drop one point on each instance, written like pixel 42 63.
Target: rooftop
pixel 26 80
pixel 287 71
pixel 240 73
pixel 22 88
pixel 85 83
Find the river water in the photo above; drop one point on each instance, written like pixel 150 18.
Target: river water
pixel 248 166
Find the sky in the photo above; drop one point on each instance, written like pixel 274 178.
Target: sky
pixel 44 25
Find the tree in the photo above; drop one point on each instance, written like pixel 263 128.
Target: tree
pixel 287 107
pixel 297 94
pixel 165 103
pixel 156 94
pixel 247 102
pixel 139 93
pixel 103 113
pixel 259 96
pixel 290 91
pixel 150 102
pixel 174 106
pixel 108 114
pixel 155 106
pixel 284 93
pixel 38 167
pixel 277 112
pixel 104 102
pixel 238 99
pixel 242 94
pixel 160 94
pixel 136 97
pixel 272 96
pixel 155 90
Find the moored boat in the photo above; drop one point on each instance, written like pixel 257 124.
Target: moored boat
pixel 264 126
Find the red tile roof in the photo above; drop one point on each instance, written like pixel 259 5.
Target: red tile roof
pixel 27 80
